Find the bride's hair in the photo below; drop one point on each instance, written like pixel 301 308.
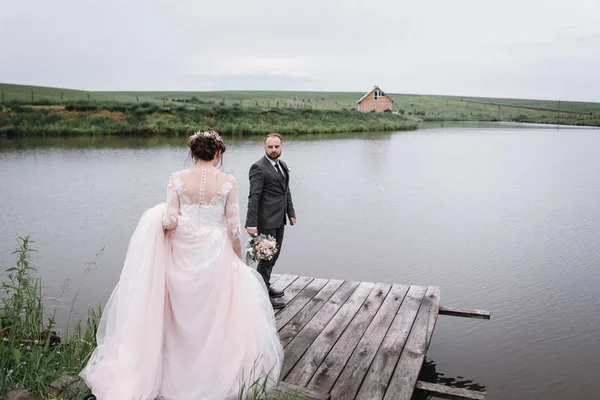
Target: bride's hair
pixel 205 144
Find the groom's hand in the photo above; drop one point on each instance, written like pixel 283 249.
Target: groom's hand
pixel 292 221
pixel 252 231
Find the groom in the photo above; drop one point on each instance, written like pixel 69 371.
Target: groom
pixel 269 201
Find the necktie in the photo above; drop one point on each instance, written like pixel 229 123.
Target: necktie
pixel 279 170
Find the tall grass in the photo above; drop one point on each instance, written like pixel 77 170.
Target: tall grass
pixel 83 118
pixel 32 355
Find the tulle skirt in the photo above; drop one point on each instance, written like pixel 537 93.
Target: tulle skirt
pixel 188 320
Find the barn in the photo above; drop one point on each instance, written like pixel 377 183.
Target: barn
pixel 375 100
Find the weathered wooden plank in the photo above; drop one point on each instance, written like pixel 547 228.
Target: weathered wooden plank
pixel 331 367
pixel 294 392
pixel 435 311
pixel 447 392
pixel 299 301
pixel 284 281
pixel 296 324
pixel 293 289
pixel 381 369
pixel 465 312
pixel 405 375
pixel 320 348
pixel 356 368
pixel 309 333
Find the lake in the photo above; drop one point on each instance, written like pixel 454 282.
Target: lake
pixel 502 217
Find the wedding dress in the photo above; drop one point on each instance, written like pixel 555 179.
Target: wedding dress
pixel 188 319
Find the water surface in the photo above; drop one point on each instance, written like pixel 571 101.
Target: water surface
pixel 500 217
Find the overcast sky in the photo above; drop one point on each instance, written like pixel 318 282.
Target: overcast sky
pixel 543 49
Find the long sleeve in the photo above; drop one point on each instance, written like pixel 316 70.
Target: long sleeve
pixel 256 188
pixel 291 213
pixel 232 216
pixel 171 217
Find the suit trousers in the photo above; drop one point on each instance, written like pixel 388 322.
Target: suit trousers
pixel 265 267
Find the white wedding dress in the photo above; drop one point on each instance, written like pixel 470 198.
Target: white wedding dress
pixel 188 319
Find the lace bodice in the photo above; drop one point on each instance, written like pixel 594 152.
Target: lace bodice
pixel 207 197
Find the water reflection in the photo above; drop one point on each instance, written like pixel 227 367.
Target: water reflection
pixel 430 374
pixel 132 142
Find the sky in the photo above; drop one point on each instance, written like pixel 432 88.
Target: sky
pixel 538 49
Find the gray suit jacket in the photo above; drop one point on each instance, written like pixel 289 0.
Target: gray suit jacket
pixel 270 199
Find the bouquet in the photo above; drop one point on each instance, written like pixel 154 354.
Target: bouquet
pixel 261 247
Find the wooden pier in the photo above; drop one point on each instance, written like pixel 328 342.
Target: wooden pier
pixel 358 340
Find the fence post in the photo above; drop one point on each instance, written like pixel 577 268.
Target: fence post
pixel 61 96
pixel 32 97
pixel 2 97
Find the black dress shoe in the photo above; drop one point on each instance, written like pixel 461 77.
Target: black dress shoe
pixel 275 293
pixel 277 304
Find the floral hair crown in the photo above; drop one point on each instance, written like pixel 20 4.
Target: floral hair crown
pixel 208 134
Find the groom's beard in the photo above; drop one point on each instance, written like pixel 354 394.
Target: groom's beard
pixel 274 155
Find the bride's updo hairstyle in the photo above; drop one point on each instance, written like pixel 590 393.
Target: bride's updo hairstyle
pixel 205 144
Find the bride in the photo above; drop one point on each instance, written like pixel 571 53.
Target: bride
pixel 188 319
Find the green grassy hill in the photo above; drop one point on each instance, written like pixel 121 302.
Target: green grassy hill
pixel 338 100
pixel 554 105
pixel 37 94
pixel 430 104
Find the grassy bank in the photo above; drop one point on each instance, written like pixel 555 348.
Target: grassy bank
pixel 91 118
pixel 32 355
pixel 39 111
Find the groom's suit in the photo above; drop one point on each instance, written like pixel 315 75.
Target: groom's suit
pixel 269 201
